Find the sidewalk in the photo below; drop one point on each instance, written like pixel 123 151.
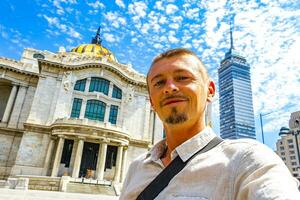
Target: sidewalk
pixel 9 194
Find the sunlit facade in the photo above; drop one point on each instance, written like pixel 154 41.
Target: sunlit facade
pixel 65 116
pixel 235 97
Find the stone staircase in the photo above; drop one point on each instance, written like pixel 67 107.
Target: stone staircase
pixel 90 188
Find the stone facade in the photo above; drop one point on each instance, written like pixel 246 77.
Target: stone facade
pixel 287 146
pixel 38 136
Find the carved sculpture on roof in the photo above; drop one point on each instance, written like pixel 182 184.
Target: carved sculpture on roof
pixel 67 80
pixel 129 93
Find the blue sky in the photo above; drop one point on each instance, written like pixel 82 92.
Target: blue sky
pixel 267 33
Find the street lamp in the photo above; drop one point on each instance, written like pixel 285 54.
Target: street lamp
pixel 261 125
pixel 296 133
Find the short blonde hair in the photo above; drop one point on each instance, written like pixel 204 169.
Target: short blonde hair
pixel 178 52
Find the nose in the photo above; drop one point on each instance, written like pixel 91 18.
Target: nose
pixel 170 87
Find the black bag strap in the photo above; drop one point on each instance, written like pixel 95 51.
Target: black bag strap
pixel 162 180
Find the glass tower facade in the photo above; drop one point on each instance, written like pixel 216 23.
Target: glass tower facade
pixel 236 106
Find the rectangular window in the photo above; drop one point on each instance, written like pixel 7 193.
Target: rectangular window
pixel 290 141
pixel 294 163
pixel 292 152
pixel 281 148
pixel 282 153
pixel 291 146
pixel 292 157
pixel 113 114
pixel 80 85
pixel 76 108
pixel 117 92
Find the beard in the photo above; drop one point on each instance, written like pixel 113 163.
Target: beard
pixel 176 118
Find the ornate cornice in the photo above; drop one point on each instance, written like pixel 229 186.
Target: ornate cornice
pixel 16 66
pixel 74 61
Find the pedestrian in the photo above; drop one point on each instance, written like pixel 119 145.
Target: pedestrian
pixel 193 162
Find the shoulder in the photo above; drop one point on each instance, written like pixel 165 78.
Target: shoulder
pixel 252 153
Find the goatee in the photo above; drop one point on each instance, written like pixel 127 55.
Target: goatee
pixel 175 117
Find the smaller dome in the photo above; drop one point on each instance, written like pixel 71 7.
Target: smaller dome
pixel 96 50
pixel 284 131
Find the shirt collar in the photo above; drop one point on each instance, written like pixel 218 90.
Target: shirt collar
pixel 194 144
pixel 185 150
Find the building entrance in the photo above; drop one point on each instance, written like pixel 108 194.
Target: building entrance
pixel 89 160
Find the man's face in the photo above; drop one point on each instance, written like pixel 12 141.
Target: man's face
pixel 179 89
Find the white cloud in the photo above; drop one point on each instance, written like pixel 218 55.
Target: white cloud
pixel 63 28
pixel 115 19
pixel 158 5
pixel 145 28
pixel 171 9
pixel 97 4
pixel 51 20
pixel 71 32
pixel 163 20
pixel 138 9
pixel 192 13
pixel 120 3
pixel 174 26
pixel 172 38
pixel 158 46
pixel 109 37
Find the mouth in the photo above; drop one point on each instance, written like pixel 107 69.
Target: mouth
pixel 172 101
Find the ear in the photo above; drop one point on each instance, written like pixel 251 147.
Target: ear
pixel 151 103
pixel 211 91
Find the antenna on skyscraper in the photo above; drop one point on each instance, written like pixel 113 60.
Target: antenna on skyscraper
pixel 232 15
pixel 231 32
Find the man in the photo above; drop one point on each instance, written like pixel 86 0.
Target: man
pixel 180 89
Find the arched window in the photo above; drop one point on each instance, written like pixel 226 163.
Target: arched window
pixel 99 85
pixel 117 92
pixel 95 110
pixel 80 85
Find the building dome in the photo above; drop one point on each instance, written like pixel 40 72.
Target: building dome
pixel 284 131
pixel 95 49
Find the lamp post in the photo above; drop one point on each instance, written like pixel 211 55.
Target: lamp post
pixel 261 125
pixel 296 133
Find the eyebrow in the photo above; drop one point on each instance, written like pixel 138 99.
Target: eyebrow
pixel 155 77
pixel 175 72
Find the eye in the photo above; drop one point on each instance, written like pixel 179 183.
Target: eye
pixel 159 83
pixel 181 78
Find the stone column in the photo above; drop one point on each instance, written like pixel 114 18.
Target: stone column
pixel 78 157
pixel 16 111
pixel 10 103
pixel 118 164
pixel 110 90
pixel 83 107
pixel 87 86
pixel 124 164
pixel 147 119
pixel 101 163
pixel 48 157
pixel 107 110
pixel 58 154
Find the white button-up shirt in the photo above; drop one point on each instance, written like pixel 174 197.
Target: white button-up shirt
pixel 235 169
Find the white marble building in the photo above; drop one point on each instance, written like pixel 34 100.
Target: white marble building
pixel 77 114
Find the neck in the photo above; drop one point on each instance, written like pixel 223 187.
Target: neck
pixel 176 135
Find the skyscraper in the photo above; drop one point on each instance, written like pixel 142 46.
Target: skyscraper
pixel 236 107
